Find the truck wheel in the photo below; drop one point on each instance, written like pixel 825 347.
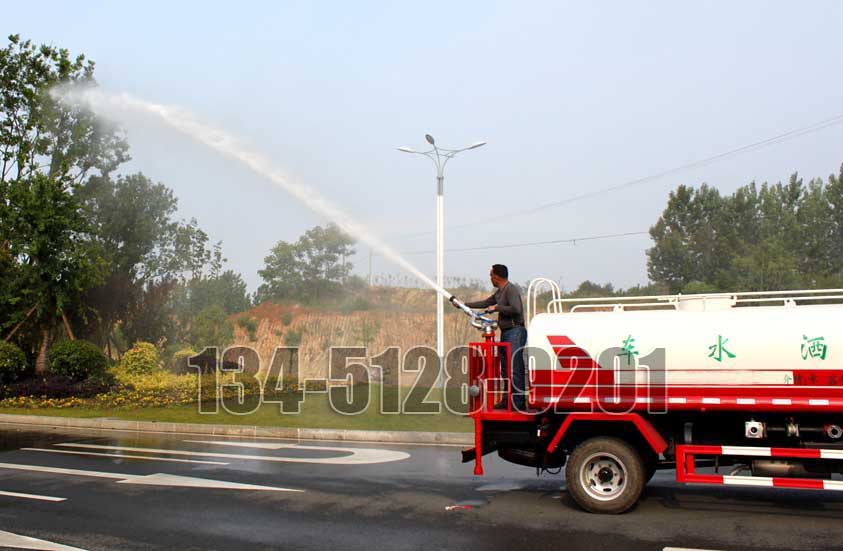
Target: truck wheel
pixel 605 475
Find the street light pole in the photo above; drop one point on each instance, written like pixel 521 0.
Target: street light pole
pixel 440 265
pixel 440 157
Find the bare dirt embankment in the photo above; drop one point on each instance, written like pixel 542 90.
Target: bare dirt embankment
pixel 404 318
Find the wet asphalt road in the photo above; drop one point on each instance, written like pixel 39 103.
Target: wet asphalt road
pixel 400 504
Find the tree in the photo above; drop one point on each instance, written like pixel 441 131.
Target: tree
pixel 772 237
pixel 46 150
pixel 151 257
pixel 227 290
pixel 100 253
pixel 313 268
pixel 37 132
pixel 590 289
pixel 210 327
pixel 133 229
pixel 688 238
pixel 47 241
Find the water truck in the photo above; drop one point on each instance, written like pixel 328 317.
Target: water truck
pixel 735 389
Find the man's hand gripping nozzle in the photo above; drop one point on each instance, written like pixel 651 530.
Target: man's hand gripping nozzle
pixel 478 319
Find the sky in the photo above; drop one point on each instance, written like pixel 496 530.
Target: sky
pixel 572 97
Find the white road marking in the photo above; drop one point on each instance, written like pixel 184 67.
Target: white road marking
pixel 8 539
pixel 62 470
pixel 157 479
pixel 32 496
pixel 256 445
pixel 162 479
pixel 357 456
pixel 121 456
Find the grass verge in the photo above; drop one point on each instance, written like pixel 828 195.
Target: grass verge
pixel 315 412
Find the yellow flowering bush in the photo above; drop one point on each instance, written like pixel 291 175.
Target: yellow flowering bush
pixel 141 358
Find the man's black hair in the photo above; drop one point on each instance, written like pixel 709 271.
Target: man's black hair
pixel 500 270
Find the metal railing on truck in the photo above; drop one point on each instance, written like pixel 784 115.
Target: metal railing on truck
pixel 701 302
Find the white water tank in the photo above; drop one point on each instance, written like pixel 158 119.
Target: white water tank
pixel 709 342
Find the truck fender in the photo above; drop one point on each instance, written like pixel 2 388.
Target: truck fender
pixel 645 428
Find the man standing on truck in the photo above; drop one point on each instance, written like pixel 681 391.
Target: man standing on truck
pixel 506 301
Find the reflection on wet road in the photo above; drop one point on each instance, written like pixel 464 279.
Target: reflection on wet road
pixel 115 490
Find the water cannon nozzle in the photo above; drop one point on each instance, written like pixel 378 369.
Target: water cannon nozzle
pixel 480 321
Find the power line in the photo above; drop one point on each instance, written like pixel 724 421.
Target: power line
pixel 789 135
pixel 695 164
pixel 573 240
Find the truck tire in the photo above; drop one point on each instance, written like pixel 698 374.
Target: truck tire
pixel 605 475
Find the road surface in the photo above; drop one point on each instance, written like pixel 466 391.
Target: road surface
pixel 111 490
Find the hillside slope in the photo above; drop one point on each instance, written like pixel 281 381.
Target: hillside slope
pixel 398 317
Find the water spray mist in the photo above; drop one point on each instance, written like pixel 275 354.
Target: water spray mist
pixel 117 106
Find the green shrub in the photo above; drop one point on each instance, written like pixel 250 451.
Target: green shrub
pixel 141 359
pixel 12 362
pixel 211 327
pixel 250 325
pixel 698 287
pixel 170 349
pixel 56 387
pixel 357 304
pixel 179 361
pixel 292 337
pixel 78 360
pixel 287 317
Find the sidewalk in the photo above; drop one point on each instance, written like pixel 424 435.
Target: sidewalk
pixel 104 423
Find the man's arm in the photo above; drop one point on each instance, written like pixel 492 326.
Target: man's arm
pixel 513 297
pixel 482 303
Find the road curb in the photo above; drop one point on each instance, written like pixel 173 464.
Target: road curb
pixel 251 431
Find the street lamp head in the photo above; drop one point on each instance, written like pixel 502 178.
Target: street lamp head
pixel 476 145
pixel 429 139
pixel 407 149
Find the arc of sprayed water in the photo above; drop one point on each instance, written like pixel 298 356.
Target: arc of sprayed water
pixel 111 106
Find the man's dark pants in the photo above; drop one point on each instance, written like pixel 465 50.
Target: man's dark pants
pixel 517 339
